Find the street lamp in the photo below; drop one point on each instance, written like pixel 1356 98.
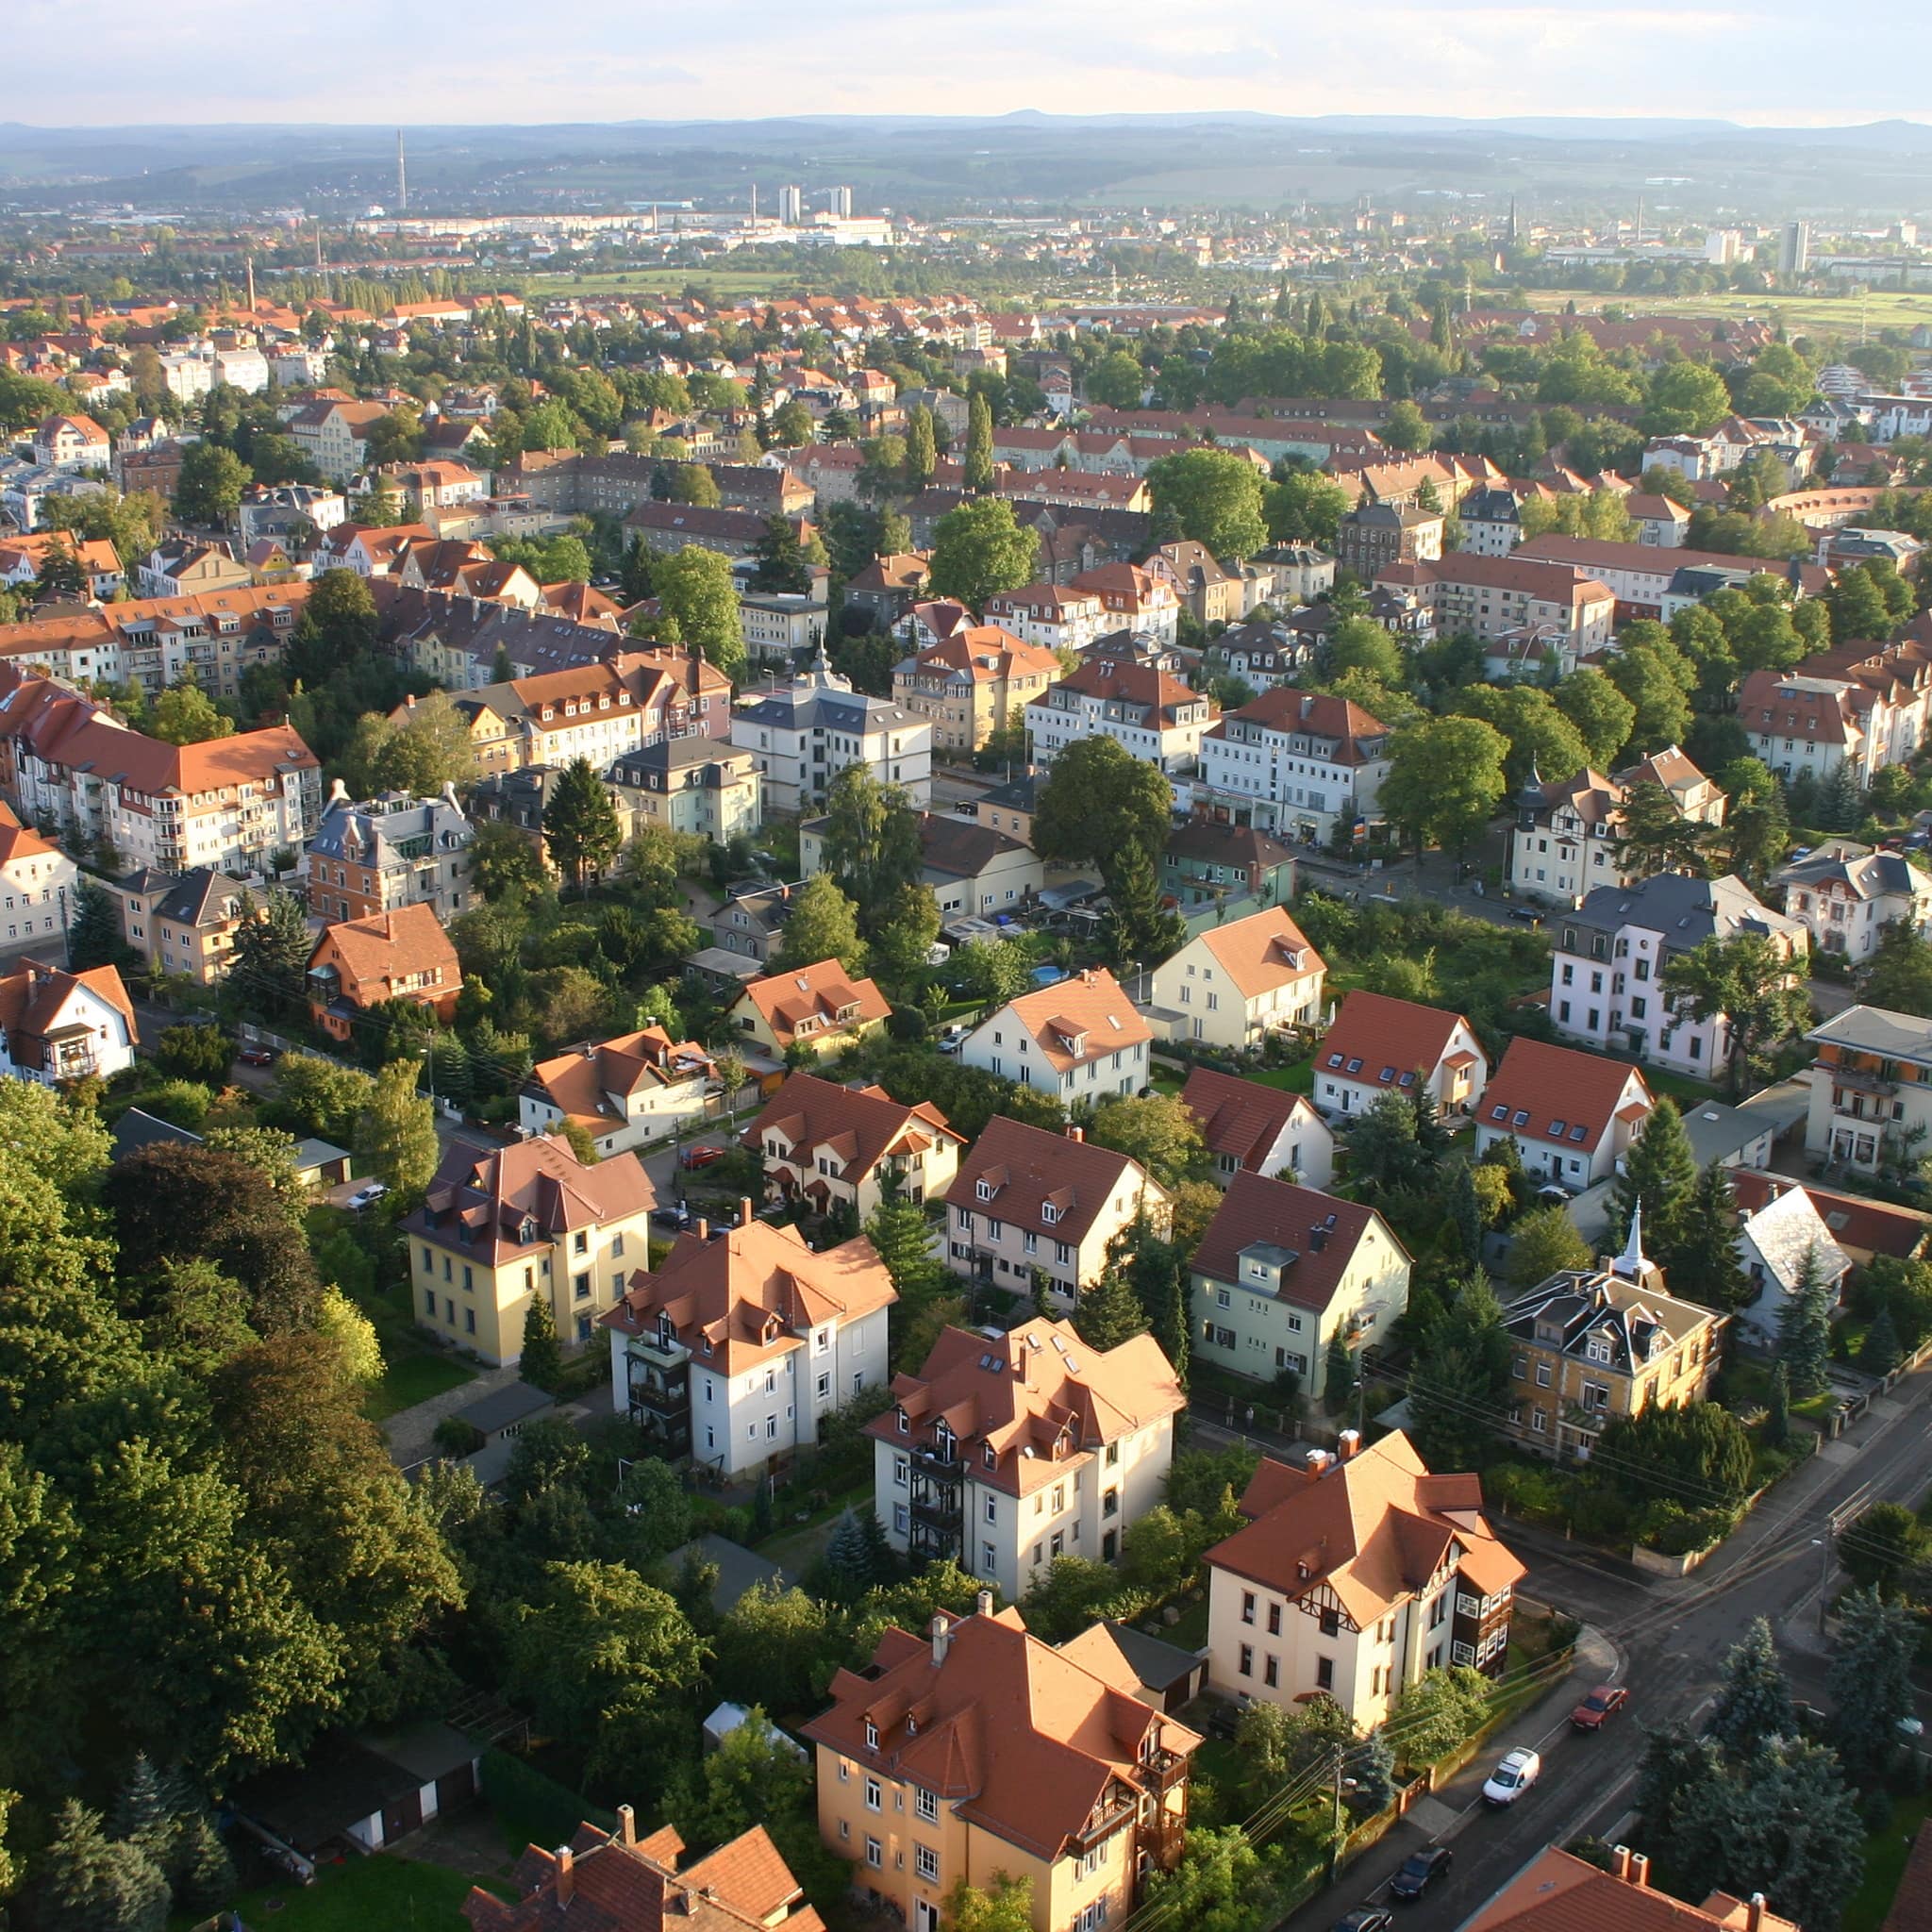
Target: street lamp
pixel 1823 1545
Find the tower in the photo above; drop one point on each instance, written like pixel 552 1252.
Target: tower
pixel 791 206
pixel 1509 233
pixel 1639 236
pixel 841 202
pixel 251 285
pixel 402 177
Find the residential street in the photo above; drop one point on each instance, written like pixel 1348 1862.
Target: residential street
pixel 1671 1637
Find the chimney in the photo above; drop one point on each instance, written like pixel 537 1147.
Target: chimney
pixel 1640 1868
pixel 744 1211
pixel 982 1604
pixel 1076 1133
pixel 1316 1460
pixel 1753 1912
pixel 1620 1861
pixel 942 1635
pixel 566 1874
pixel 702 1228
pixel 627 1825
pixel 1348 1442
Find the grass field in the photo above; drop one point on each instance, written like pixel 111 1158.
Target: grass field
pixel 1885 1864
pixel 409 1379
pixel 1801 314
pixel 723 284
pixel 375 1892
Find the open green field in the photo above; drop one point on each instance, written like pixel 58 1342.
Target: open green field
pixel 382 1890
pixel 718 284
pixel 1801 314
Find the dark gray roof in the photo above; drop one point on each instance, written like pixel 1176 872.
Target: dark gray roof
pixel 1685 910
pixel 738 1568
pixel 1868 874
pixel 1158 1664
pixel 138 1129
pixel 515 1402
pixel 194 898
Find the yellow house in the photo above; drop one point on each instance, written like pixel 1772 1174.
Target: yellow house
pixel 820 1006
pixel 1232 985
pixel 981 1750
pixel 1594 1343
pixel 498 1228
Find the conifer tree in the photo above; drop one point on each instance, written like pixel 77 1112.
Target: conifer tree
pixel 1661 1172
pixel 1804 1328
pixel 542 1362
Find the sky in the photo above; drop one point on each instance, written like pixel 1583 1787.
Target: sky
pixel 1761 62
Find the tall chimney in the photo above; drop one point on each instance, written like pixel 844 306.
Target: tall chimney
pixel 1640 1868
pixel 942 1635
pixel 627 1825
pixel 566 1874
pixel 1315 1463
pixel 982 1604
pixel 744 1211
pixel 1620 1867
pixel 702 1228
pixel 1348 1442
pixel 1753 1912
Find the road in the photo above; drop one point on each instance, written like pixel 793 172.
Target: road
pixel 1671 1637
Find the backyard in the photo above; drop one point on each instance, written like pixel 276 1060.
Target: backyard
pixel 381 1890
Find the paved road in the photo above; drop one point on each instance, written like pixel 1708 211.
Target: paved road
pixel 1671 1637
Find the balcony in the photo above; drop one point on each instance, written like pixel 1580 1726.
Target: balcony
pixel 942 1510
pixel 667 1394
pixel 658 1353
pixel 1863 1079
pixel 1110 1821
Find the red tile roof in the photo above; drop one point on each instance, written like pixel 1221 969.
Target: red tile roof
pixel 1029 1170
pixel 819 998
pixel 490 1195
pixel 1390 1037
pixel 1559 1892
pixel 1240 1118
pixel 1321 1231
pixel 855 1126
pixel 1559 1089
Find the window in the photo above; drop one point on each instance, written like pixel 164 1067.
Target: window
pixel 1274 1620
pixel 925 1806
pixel 874 1855
pixel 1247 1607
pixel 825 1387
pixel 900 1519
pixel 872 1788
pixel 1270 1672
pixel 1246 1665
pixel 925 1861
pixel 1325 1674
pixel 1331 1622
pixel 1542 1375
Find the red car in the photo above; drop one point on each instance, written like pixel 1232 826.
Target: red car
pixel 258 1055
pixel 699 1157
pixel 1605 1701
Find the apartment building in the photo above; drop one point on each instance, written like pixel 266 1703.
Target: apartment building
pixel 1282 1270
pixel 1871 1101
pixel 1639 575
pixel 1354 1575
pixel 804 733
pixel 1608 965
pixel 496 1229
pixel 37 887
pixel 693 785
pixel 1006 1453
pixel 830 1145
pixel 1845 895
pixel 1374 535
pixel 1808 727
pixel 1378 1045
pixel 597 712
pixel 975 682
pixel 1249 1128
pixel 1573 1115
pixel 57 1026
pixel 1133 599
pixel 979 1750
pixel 334 436
pixel 1081 1038
pixel 389 851
pixel 1033 1212
pixel 1591 1344
pixel 625 1092
pixel 1052 617
pixel 1296 763
pixel 1233 985
pixel 182 926
pixel 1490 596
pixel 1148 712
pixel 743 1341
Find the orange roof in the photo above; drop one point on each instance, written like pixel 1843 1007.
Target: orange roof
pixel 1018 1738
pixel 1262 952
pixel 18 842
pixel 1374 1528
pixel 814 1000
pixel 1082 1018
pixel 855 1127
pixel 1319 1234
pixel 374 954
pixel 1029 1170
pixel 1558 1089
pixel 752 1294
pixel 32 997
pixel 1240 1118
pixel 1392 1040
pixel 480 1201
pixel 986 653
pixel 1559 1892
pixel 578 1083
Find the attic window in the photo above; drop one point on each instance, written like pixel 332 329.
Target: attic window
pixel 1388 1072
pixel 905 1424
pixel 871 1735
pixel 1334 1059
pixel 1577 1132
pixel 1498 1113
pixel 1354 1066
pixel 1049 1213
pixel 989 1458
pixel 1521 1118
pixel 982 1190
pixel 1557 1129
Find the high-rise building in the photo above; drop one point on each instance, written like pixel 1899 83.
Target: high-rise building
pixel 841 202
pixel 791 206
pixel 1794 249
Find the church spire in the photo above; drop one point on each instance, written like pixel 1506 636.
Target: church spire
pixel 1630 1265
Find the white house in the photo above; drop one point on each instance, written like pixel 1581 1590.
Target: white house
pixel 737 1348
pixel 37 886
pixel 1078 1039
pixel 1293 762
pixel 1845 894
pixel 1233 985
pixel 1378 1045
pixel 1571 1115
pixel 1143 710
pixel 804 733
pixel 1353 1576
pixel 58 1026
pixel 625 1092
pixel 1006 1453
pixel 1775 1244
pixel 1250 1128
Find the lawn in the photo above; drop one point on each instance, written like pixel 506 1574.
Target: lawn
pixel 412 1378
pixel 1826 314
pixel 381 1890
pixel 1299 1078
pixel 1191 1633
pixel 1885 1864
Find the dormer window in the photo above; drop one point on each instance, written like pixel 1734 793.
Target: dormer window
pixel 982 1190
pixel 871 1735
pixel 1049 1213
pixel 905 1424
pixel 989 1457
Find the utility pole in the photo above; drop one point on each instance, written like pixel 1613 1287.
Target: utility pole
pixel 1335 1824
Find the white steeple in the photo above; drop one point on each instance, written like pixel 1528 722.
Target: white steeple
pixel 1630 1265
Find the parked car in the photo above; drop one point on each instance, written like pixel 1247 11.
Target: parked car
pixel 1224 1720
pixel 1365 1919
pixel 1606 1700
pixel 952 1038
pixel 1518 1770
pixel 1420 1871
pixel 368 1194
pixel 258 1055
pixel 1528 914
pixel 677 1215
pixel 699 1157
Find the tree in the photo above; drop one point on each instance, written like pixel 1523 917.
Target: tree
pixel 1138 929
pixel 1777 1407
pixel 1704 1265
pixel 1880 1353
pixel 1445 780
pixel 1900 975
pixel 1543 742
pixel 395 1132
pixel 1659 1171
pixel 992 971
pixel 1406 427
pixel 1696 1452
pixel 269 959
pixel 782 565
pixel 774 1647
pixel 184 715
pixel 92 1883
pixel 1338 1372
pixel 1098 797
pixel 1753 1703
pixel 871 843
pixel 1305 507
pixel 212 482
pixel 1212 1888
pixel 354 1334
pixel 905 932
pixel 1685 399
pixel 921 451
pixel 1360 643
pixel 95 936
pixel 1748 985
pixel 1006 1905
pixel 1662 709
pixel 823 924
pixel 1158 1131
pixel 980 550
pixel 1544 1243
pixel 1655 836
pixel 325 1098
pixel 194 1052
pixel 1439 1710
pixel 1117 381
pixel 422 751
pixel 1212 496
pixel 1109 1313
pixel 978 465
pixel 580 822
pixel 541 1360
pixel 1871 1680
pixel 695 591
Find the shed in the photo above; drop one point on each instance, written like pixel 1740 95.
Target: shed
pixel 321 1163
pixel 500 1417
pixel 1167 1675
pixel 738 1568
